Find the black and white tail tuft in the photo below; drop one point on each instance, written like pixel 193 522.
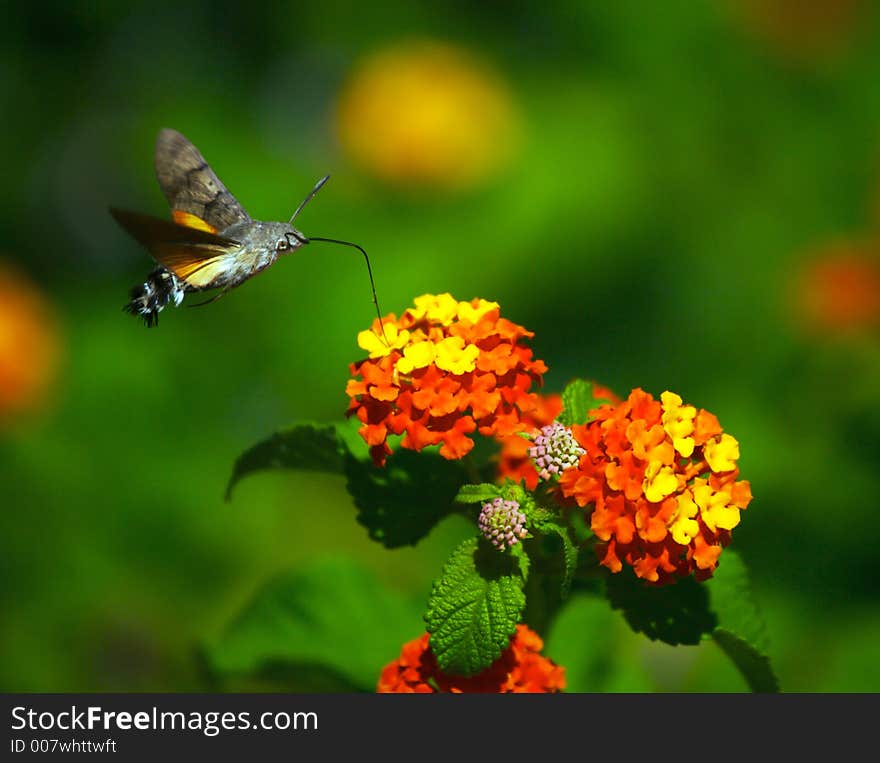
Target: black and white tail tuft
pixel 150 297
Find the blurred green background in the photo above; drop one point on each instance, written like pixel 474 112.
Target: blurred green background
pixel 666 180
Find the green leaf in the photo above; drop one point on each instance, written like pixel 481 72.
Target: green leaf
pixel 577 400
pixel 478 493
pixel 570 558
pixel 753 664
pixel 523 561
pixel 731 598
pixel 677 614
pixel 741 631
pixel 569 550
pixel 687 612
pixel 308 446
pixel 333 616
pixel 401 502
pixel 474 608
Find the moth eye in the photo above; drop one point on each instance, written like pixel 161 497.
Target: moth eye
pixel 281 245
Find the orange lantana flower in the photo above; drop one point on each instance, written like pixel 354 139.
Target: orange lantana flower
pixel 442 371
pixel 661 480
pixel 519 669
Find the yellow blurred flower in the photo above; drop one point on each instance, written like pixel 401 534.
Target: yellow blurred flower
pixel 29 345
pixel 426 113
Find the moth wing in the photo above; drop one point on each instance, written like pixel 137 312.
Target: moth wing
pixel 192 266
pixel 196 256
pixel 191 186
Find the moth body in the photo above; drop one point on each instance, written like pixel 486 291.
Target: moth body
pixel 148 299
pixel 212 242
pixel 262 243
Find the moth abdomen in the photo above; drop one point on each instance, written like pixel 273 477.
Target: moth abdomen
pixel 150 297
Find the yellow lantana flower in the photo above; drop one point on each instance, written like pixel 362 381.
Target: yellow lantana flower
pixel 721 453
pixel 467 311
pixel 678 422
pixel 416 355
pixel 715 508
pixel 454 356
pixel 439 308
pixel 376 344
pixel 683 526
pixel 660 481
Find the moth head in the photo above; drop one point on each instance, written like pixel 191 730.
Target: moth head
pixel 291 239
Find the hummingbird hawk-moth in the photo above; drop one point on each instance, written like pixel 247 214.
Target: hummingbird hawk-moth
pixel 211 241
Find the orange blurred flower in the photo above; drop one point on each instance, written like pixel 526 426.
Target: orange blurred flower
pixel 801 31
pixel 661 478
pixel 426 113
pixel 442 371
pixel 519 669
pixel 839 289
pixel 29 345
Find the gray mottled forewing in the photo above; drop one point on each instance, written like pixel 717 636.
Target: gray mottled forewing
pixel 190 185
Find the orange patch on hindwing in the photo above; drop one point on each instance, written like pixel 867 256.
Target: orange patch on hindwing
pixel 189 220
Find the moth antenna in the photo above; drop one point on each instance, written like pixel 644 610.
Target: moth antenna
pixel 308 198
pixel 369 270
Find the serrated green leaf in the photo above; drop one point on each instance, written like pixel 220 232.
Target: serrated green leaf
pixel 307 446
pixel 731 599
pixel 754 665
pixel 478 493
pixel 687 612
pixel 333 616
pixel 474 608
pixel 401 502
pixel 569 550
pixel 741 631
pixel 543 520
pixel 519 553
pixel 677 614
pixel 570 558
pixel 577 400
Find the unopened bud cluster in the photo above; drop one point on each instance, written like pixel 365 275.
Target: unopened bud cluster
pixel 554 450
pixel 502 523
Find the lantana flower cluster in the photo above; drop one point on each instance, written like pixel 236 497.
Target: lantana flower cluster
pixel 520 669
pixel 661 477
pixel 440 372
